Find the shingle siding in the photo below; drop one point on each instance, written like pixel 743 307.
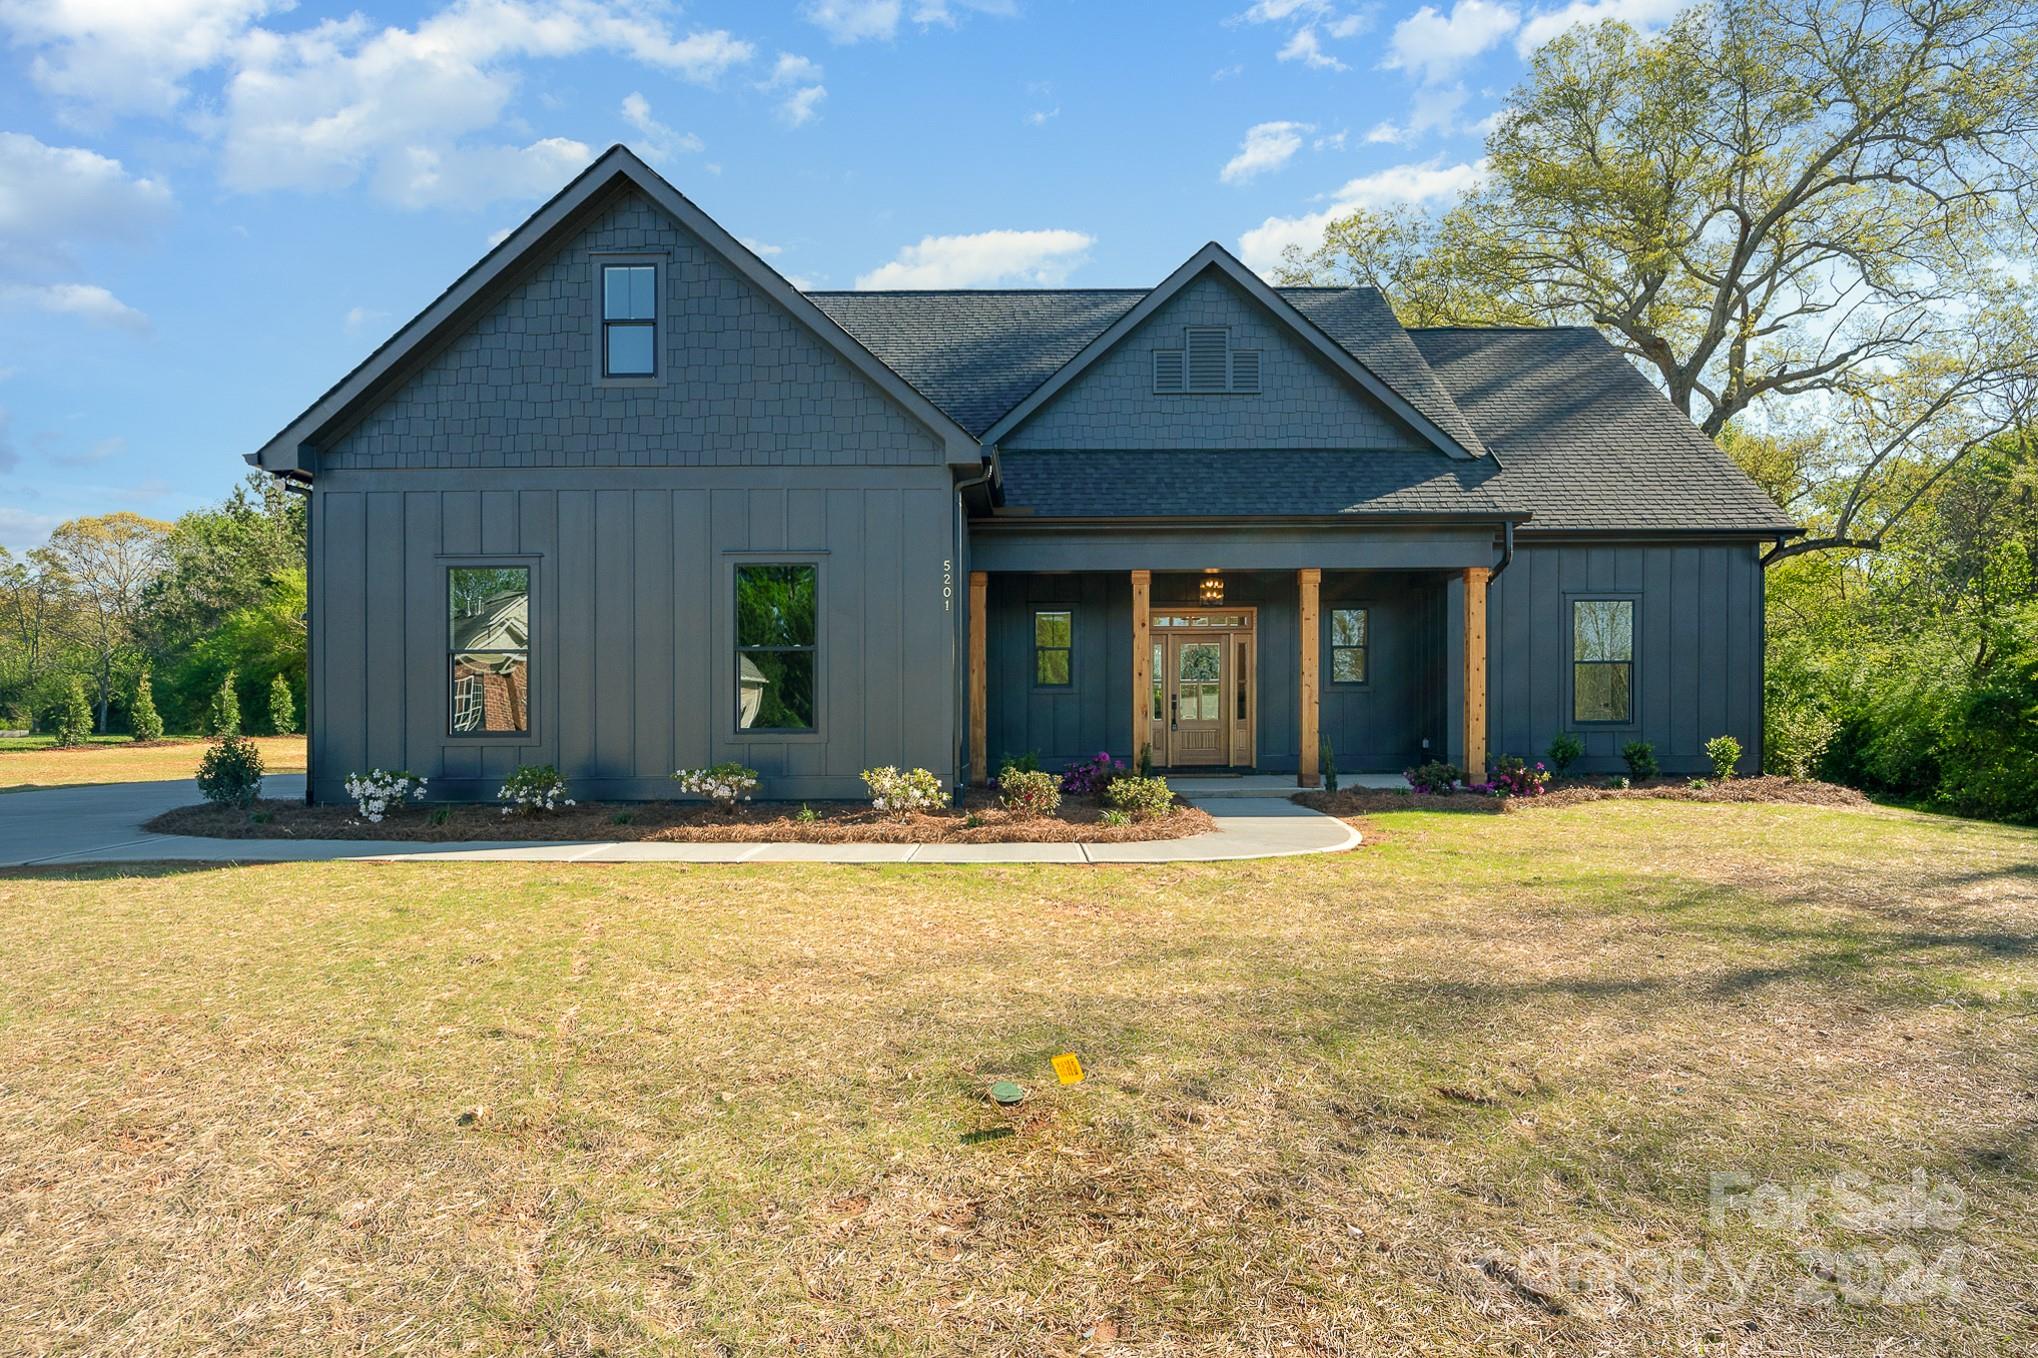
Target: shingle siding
pixel 746 383
pixel 1303 403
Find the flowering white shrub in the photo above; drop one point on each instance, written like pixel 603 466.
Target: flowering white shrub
pixel 900 793
pixel 723 784
pixel 533 788
pixel 380 791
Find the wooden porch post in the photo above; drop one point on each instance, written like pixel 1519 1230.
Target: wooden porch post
pixel 1307 580
pixel 979 697
pixel 1142 666
pixel 1475 672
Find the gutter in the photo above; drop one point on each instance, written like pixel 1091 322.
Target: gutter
pixel 1506 549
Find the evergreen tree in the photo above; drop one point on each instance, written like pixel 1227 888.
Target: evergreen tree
pixel 282 707
pixel 223 718
pixel 142 715
pixel 74 715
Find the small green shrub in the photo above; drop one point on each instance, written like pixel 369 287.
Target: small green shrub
pixel 807 815
pixel 1030 792
pixel 533 788
pixel 223 713
pixel 1434 777
pixel 623 818
pixel 1697 784
pixel 1725 754
pixel 73 723
pixel 143 718
pixel 1795 737
pixel 1329 762
pixel 1516 777
pixel 1146 760
pixel 1640 757
pixel 230 774
pixel 900 792
pixel 1019 763
pixel 1116 819
pixel 1142 796
pixel 1565 751
pixel 282 707
pixel 441 814
pixel 972 821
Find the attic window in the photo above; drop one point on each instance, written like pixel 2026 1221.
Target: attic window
pixel 1206 364
pixel 629 320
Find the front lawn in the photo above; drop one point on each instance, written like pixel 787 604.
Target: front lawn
pixel 35 761
pixel 1464 1090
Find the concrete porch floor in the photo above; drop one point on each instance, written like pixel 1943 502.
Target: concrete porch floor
pixel 1205 786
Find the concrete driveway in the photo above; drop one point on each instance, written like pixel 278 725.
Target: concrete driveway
pixel 103 824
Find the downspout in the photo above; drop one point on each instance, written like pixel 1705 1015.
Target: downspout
pixel 960 639
pixel 1506 549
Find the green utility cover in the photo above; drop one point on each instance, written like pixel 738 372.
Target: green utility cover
pixel 1004 1091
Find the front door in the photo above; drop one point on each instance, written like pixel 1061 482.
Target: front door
pixel 1196 711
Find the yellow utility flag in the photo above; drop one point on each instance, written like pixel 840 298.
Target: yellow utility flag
pixel 1067 1069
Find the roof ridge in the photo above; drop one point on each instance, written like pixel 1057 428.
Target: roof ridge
pixel 969 292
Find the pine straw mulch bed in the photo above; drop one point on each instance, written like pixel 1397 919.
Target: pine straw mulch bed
pixel 1350 802
pixel 751 823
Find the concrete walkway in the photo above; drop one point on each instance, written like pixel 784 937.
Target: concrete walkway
pixel 102 824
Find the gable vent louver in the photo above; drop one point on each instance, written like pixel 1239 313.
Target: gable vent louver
pixel 1170 376
pixel 1208 369
pixel 1245 370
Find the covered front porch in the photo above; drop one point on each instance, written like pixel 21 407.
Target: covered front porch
pixel 1239 663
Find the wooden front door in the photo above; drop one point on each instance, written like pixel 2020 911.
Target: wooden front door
pixel 1197 667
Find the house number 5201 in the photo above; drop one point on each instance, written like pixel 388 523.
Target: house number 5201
pixel 948 586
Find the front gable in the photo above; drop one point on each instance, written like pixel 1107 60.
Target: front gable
pixel 500 369
pixel 741 382
pixel 1212 368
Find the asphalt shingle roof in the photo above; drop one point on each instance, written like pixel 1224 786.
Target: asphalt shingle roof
pixel 1247 483
pixel 1578 437
pixel 1586 440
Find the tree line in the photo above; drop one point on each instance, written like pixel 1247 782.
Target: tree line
pixel 125 624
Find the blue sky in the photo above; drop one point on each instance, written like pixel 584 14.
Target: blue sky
pixel 211 209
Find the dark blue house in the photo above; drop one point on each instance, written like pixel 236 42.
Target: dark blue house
pixel 624 500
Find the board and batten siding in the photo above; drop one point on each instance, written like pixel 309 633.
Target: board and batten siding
pixel 632 627
pixel 1697 647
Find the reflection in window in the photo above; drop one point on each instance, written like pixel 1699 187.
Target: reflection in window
pixel 1053 635
pixel 629 320
pixel 775 647
pixel 1160 681
pixel 1199 667
pixel 1348 645
pixel 489 641
pixel 1602 659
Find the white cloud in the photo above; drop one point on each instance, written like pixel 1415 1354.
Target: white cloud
pixel 855 20
pixel 985 259
pixel 340 101
pixel 800 78
pixel 127 57
pixel 1434 109
pixel 1434 45
pixel 762 249
pixel 1303 47
pixel 1414 184
pixel 1267 146
pixel 848 21
pixel 87 301
pixel 1041 117
pixel 660 142
pixel 1546 24
pixel 360 317
pixel 52 195
pixel 20 529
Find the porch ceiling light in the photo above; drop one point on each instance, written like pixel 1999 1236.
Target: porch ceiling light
pixel 1210 589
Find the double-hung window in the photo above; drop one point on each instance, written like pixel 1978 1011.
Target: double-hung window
pixel 777 626
pixel 1053 640
pixel 1348 642
pixel 489 650
pixel 1602 660
pixel 629 320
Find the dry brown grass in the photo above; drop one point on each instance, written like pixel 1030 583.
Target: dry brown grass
pixel 26 764
pixel 980 820
pixel 1361 1104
